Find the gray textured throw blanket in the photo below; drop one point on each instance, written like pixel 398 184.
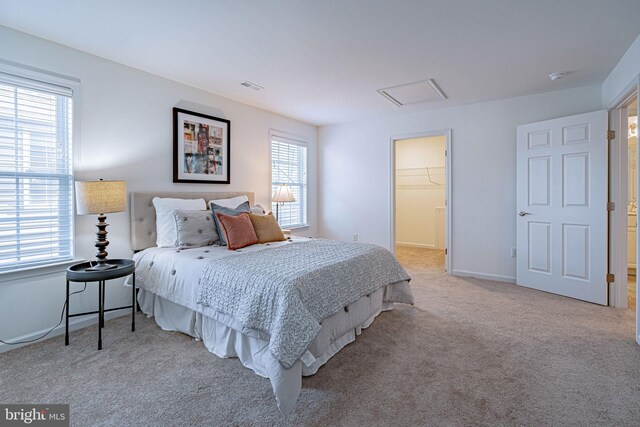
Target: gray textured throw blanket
pixel 287 291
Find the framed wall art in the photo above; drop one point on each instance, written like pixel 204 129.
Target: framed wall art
pixel 201 148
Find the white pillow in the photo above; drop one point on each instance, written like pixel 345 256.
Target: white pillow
pixel 167 235
pixel 257 209
pixel 231 203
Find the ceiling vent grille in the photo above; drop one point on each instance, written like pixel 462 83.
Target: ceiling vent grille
pixel 250 85
pixel 413 93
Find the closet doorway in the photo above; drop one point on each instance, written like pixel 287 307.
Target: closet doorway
pixel 420 193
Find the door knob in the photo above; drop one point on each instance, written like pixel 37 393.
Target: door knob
pixel 523 213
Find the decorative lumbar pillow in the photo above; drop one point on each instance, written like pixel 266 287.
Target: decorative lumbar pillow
pixel 231 203
pixel 238 230
pixel 267 228
pixel 243 208
pixel 167 236
pixel 195 228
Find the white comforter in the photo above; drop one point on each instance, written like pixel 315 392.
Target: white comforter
pixel 182 268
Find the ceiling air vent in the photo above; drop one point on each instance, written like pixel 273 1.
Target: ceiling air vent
pixel 250 85
pixel 413 93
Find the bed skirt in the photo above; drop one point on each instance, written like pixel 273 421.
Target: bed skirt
pixel 336 332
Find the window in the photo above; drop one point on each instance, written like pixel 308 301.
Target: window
pixel 36 177
pixel 289 166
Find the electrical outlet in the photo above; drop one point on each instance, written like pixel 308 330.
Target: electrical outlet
pixel 513 252
pixel 355 237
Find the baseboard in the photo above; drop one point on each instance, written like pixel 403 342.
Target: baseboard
pixel 74 325
pixel 416 245
pixel 485 276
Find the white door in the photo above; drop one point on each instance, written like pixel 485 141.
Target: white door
pixel 562 206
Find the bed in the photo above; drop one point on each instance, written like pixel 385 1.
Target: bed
pixel 174 286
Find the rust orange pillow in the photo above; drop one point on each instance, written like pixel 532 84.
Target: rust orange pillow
pixel 238 230
pixel 267 228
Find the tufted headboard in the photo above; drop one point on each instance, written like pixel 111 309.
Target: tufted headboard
pixel 143 214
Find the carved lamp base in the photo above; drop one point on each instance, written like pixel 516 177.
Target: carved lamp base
pixel 101 244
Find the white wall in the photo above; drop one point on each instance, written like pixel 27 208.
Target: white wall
pixel 125 132
pixel 417 198
pixel 354 173
pixel 623 74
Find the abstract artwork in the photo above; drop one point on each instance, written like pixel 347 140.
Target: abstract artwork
pixel 201 148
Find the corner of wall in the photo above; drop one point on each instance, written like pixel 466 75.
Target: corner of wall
pixel 623 76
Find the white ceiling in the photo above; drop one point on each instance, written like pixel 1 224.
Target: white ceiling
pixel 322 61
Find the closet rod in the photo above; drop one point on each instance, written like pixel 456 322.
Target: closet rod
pixel 422 174
pixel 419 187
pixel 422 168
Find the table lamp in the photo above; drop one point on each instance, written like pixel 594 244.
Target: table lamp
pixel 282 194
pixel 101 197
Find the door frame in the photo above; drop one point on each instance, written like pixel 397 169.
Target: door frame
pixel 618 190
pixel 448 187
pixel 618 187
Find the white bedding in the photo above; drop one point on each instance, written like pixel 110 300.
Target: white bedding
pixel 180 269
pixel 169 280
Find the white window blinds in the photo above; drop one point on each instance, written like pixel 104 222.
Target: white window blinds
pixel 36 178
pixel 289 166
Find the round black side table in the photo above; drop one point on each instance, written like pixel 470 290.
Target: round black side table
pixel 79 273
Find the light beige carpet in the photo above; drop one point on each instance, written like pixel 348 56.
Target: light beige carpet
pixel 470 352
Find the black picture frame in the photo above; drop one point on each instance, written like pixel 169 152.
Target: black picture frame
pixel 201 148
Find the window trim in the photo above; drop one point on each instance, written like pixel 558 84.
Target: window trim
pixel 295 140
pixel 44 78
pixel 37 270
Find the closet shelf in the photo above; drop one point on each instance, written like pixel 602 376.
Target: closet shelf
pixel 427 172
pixel 419 187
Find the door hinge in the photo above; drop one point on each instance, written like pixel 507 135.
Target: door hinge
pixel 611 278
pixel 611 206
pixel 445 251
pixel 611 134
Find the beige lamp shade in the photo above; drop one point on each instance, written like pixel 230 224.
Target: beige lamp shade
pixel 100 197
pixel 283 193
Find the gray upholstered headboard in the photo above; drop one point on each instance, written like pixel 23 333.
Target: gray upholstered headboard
pixel 143 214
